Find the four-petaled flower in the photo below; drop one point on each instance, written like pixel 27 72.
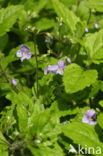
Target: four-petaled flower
pixel 24 52
pixel 57 69
pixel 90 117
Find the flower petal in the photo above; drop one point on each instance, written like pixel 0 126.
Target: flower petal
pixel 14 82
pixel 92 122
pixel 59 71
pixel 19 53
pixel 61 64
pixel 90 113
pixel 25 48
pixel 53 68
pixel 68 60
pixel 85 120
pixel 45 70
pixel 28 56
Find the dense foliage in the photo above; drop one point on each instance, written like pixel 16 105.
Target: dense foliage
pixel 51 77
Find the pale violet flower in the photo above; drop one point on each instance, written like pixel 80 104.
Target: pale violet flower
pixel 14 82
pixel 96 25
pixel 57 69
pixel 24 53
pixel 90 117
pixel 68 60
pixel 86 29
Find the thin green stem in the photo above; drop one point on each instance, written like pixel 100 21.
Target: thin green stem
pixel 90 13
pixel 37 77
pixel 59 41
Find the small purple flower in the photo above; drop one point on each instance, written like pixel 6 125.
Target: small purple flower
pixel 14 82
pixel 96 25
pixel 61 64
pixel 68 60
pixel 47 41
pixel 57 69
pixel 24 53
pixel 90 117
pixel 26 29
pixel 86 29
pixel 51 37
pixel 51 69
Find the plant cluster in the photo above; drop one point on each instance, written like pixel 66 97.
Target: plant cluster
pixel 51 77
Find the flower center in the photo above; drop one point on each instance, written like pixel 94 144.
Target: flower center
pixel 61 69
pixel 93 118
pixel 25 53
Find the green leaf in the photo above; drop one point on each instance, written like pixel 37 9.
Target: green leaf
pixel 101 103
pixel 43 151
pixel 22 114
pixel 3 42
pixel 95 88
pixel 100 120
pixel 94 46
pixel 8 17
pixel 69 3
pixel 96 4
pixel 3 146
pixel 44 24
pixel 38 121
pixel 34 5
pixel 83 10
pixel 82 134
pixel 23 103
pixel 76 79
pixel 69 18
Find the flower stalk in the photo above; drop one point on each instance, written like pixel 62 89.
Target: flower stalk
pixel 36 58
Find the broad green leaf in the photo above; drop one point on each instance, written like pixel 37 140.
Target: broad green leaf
pixel 83 10
pixel 3 146
pixel 34 5
pixel 44 24
pixel 82 134
pixel 100 120
pixel 69 3
pixel 22 115
pixel 95 88
pixel 23 102
pixel 8 17
pixel 37 122
pixel 62 110
pixel 76 79
pixel 96 4
pixel 44 151
pixel 3 150
pixel 101 103
pixel 94 46
pixel 69 18
pixel 3 41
